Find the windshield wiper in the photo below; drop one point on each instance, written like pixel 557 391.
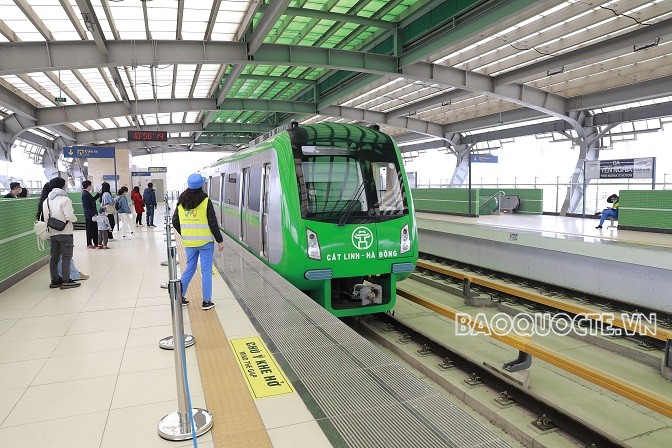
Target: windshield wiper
pixel 350 206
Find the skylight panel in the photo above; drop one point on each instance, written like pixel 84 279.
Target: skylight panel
pixel 107 123
pixel 19 23
pixel 162 19
pixel 93 124
pixel 97 83
pixel 56 20
pixel 183 80
pixel 102 19
pixel 25 88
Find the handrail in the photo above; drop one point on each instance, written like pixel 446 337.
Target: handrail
pixel 500 193
pixel 626 389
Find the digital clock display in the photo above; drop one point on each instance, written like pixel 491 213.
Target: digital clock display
pixel 147 136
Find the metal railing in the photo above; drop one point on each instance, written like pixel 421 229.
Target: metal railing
pixel 500 194
pixel 555 191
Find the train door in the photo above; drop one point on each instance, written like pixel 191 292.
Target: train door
pixel 243 204
pixel 220 215
pixel 266 174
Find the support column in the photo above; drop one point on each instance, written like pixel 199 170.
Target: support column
pixel 462 151
pixel 105 167
pixel 589 149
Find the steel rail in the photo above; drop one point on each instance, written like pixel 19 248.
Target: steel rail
pixel 640 328
pixel 617 385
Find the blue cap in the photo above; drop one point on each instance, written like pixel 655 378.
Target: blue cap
pixel 195 181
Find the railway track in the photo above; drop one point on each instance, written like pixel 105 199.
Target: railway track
pixel 549 414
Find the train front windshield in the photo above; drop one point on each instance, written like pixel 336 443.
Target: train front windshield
pixel 338 185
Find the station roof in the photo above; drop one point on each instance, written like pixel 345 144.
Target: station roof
pixel 218 73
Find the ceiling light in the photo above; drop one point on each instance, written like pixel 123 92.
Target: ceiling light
pixel 645 45
pixel 88 20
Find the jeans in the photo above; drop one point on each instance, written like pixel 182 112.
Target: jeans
pixel 150 215
pixel 61 247
pixel 74 272
pixel 608 213
pixel 206 252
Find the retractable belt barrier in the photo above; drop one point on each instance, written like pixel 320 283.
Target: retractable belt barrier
pixel 187 422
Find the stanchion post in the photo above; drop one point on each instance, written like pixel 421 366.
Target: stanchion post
pixel 178 425
pixel 168 342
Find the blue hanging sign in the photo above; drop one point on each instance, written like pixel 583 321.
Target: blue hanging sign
pixel 140 173
pixel 484 158
pixel 90 152
pixel 110 177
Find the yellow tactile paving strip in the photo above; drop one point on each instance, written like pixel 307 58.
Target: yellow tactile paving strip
pixel 227 397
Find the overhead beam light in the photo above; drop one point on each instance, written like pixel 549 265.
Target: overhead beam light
pixel 645 45
pixel 555 71
pixel 88 21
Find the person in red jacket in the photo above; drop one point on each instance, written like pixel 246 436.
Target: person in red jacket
pixel 139 205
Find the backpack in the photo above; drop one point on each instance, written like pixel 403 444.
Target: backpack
pixel 117 204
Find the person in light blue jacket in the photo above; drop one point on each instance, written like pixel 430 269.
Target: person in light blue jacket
pixel 124 212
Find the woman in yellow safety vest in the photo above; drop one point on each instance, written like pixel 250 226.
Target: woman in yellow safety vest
pixel 195 220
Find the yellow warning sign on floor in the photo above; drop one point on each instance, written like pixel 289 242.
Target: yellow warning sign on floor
pixel 263 375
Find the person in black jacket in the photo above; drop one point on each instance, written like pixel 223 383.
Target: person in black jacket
pixel 14 190
pixel 90 210
pixel 149 196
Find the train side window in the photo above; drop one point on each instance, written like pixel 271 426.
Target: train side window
pixel 231 189
pixel 214 188
pixel 254 197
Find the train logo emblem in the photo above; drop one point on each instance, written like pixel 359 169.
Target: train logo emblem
pixel 362 238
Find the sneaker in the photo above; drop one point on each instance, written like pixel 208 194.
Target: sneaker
pixel 106 247
pixel 70 284
pixel 90 246
pixel 99 247
pixel 83 276
pixel 56 284
pixel 185 301
pixel 208 305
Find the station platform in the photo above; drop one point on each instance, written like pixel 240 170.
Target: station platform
pixel 629 266
pixel 81 368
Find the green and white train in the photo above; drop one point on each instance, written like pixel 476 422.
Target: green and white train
pixel 328 207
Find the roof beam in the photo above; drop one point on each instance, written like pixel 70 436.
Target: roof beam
pixel 371 116
pixel 239 127
pixel 587 55
pixel 81 112
pixel 226 140
pixel 34 19
pixel 537 99
pixel 102 135
pixel 277 79
pixel 270 16
pixel 10 100
pixel 441 99
pixel 488 121
pixel 26 57
pixel 175 141
pixel 336 17
pixel 654 88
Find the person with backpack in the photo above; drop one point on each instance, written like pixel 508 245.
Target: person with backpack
pixel 107 202
pixel 124 211
pixel 149 196
pixel 75 273
pixel 59 215
pixel 195 220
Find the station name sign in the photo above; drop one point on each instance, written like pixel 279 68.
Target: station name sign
pixel 147 136
pixel 641 168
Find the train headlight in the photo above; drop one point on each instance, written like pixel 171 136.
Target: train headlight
pixel 313 245
pixel 405 240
